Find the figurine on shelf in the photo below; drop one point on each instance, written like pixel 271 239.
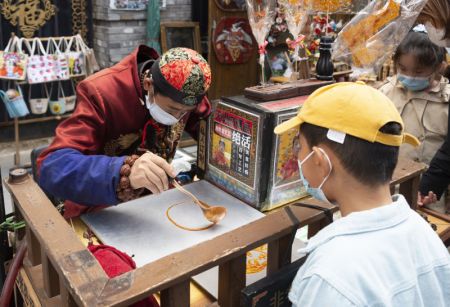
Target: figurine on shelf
pixel 324 67
pixel 296 17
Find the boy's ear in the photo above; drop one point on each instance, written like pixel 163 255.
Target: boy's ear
pixel 320 161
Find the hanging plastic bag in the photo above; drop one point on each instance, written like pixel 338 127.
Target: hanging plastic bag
pixel 91 62
pixel 39 105
pixel 58 105
pixel 13 61
pixel 71 99
pixel 372 36
pixel 76 57
pixel 61 66
pixel 14 102
pixel 41 66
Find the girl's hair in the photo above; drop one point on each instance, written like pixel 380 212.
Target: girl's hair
pixel 437 12
pixel 426 52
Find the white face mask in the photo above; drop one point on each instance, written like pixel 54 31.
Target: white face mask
pixel 159 114
pixel 437 35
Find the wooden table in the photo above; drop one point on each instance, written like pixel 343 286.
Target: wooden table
pixel 406 175
pixel 63 272
pixel 407 178
pixel 442 222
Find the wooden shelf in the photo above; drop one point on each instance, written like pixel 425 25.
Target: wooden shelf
pixel 36 120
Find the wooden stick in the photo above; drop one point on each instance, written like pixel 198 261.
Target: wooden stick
pixel 287 58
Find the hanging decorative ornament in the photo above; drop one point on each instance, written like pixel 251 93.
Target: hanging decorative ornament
pixel 233 41
pixel 261 15
pixel 29 15
pixel 330 6
pixel 296 15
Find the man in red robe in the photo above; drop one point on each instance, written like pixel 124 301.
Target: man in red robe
pixel 140 105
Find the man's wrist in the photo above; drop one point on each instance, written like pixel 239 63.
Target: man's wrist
pixel 124 191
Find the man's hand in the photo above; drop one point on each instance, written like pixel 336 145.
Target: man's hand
pixel 431 198
pixel 150 171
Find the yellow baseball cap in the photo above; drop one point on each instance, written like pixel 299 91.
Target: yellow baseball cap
pixel 352 108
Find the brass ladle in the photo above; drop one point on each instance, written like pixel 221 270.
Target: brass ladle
pixel 214 214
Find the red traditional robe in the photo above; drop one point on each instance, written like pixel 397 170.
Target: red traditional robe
pixel 108 121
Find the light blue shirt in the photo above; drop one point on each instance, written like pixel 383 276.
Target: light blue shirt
pixel 387 256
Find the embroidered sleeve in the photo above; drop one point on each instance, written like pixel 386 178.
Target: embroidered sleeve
pixel 85 179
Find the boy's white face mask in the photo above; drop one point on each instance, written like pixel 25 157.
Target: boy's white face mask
pixel 158 113
pixel 437 35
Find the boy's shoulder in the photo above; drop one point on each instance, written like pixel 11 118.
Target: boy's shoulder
pixel 405 247
pixel 361 266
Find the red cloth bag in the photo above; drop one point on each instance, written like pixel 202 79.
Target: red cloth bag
pixel 114 263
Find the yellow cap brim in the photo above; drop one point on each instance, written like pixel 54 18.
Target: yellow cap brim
pixel 287 125
pixel 410 139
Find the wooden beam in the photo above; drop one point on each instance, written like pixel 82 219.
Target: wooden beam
pixel 409 190
pixel 51 278
pixel 34 248
pixel 315 227
pixel 66 298
pixel 442 216
pixel 279 254
pixel 72 261
pixel 273 257
pixel 407 169
pixel 176 296
pixel 232 281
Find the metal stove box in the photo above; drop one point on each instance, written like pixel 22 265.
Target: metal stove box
pixel 245 158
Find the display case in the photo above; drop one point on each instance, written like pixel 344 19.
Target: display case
pixel 244 156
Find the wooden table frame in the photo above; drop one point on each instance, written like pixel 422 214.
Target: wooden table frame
pixel 65 273
pixel 407 177
pixel 445 218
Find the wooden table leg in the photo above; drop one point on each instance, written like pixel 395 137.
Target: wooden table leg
pixel 16 141
pixel 51 278
pixel 232 281
pixel 316 227
pixel 409 190
pixel 176 296
pixel 34 248
pixel 66 299
pixel 279 254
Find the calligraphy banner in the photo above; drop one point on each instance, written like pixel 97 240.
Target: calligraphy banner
pixel 44 18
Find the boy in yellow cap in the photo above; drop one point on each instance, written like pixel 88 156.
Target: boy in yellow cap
pixel 380 253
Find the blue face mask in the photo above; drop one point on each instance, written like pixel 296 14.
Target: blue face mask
pixel 414 84
pixel 317 193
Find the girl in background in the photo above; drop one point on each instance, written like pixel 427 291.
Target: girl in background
pixel 421 94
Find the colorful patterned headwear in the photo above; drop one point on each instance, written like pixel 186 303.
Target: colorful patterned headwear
pixel 183 75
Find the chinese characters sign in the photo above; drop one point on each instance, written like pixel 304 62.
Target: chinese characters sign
pixel 233 143
pixel 29 15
